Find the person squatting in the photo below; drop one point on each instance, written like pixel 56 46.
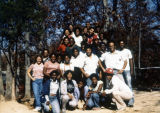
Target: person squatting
pixel 86 67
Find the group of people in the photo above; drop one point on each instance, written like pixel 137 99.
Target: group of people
pixel 85 67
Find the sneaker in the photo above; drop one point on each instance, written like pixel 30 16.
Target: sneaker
pixel 130 105
pixel 121 109
pixel 37 109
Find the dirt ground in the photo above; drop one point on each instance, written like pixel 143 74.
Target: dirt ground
pixel 145 102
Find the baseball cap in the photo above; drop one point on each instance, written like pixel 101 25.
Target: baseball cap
pixel 109 71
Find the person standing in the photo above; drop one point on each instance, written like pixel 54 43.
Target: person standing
pixel 90 65
pixel 113 59
pixel 128 71
pixel 66 65
pixel 45 55
pixel 51 65
pixel 37 79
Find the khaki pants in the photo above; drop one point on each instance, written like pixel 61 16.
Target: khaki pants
pixel 66 99
pixel 119 97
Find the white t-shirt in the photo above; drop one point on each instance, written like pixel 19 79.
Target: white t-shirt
pixel 113 60
pixel 126 53
pixel 64 67
pixel 78 61
pixel 90 64
pixel 78 40
pixel 97 86
pixel 72 34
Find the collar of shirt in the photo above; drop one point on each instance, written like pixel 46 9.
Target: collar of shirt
pixel 54 81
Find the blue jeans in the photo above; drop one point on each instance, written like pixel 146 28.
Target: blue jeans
pixel 37 90
pixel 88 81
pixel 93 101
pixel 55 104
pixel 128 81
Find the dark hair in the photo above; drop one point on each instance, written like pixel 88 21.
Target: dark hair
pixel 67 55
pixel 65 31
pixel 46 50
pixel 122 41
pixel 53 54
pixel 88 47
pixel 111 41
pixel 71 39
pixel 37 57
pixel 54 71
pixel 64 39
pixel 75 49
pixel 94 75
pixel 67 72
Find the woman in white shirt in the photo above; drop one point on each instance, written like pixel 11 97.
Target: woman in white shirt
pixel 66 65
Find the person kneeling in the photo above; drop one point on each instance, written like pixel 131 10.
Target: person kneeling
pixel 119 90
pixel 93 95
pixel 69 91
pixel 50 92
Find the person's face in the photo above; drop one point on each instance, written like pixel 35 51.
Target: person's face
pixel 71 27
pixel 76 53
pixel 88 51
pixel 80 84
pixel 67 32
pixel 109 77
pixel 103 47
pixel 66 41
pixel 38 60
pixel 54 76
pixel 59 59
pixel 85 30
pixel 72 42
pixel 94 80
pixel 45 53
pixel 101 36
pixel 121 44
pixel 67 60
pixel 83 47
pixel 91 31
pixel 112 47
pixel 69 76
pixel 88 25
pixel 96 41
pixel 53 58
pixel 77 32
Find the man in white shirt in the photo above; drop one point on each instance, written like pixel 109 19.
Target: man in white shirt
pixel 92 92
pixel 90 65
pixel 119 90
pixel 50 92
pixel 128 71
pixel 113 59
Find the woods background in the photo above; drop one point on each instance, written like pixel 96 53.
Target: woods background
pixel 29 26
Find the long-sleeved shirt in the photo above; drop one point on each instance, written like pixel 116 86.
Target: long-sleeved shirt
pixel 117 85
pixel 64 89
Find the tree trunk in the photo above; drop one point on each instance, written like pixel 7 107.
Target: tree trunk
pixel 27 63
pixel 106 10
pixel 8 95
pixel 13 88
pixel 1 80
